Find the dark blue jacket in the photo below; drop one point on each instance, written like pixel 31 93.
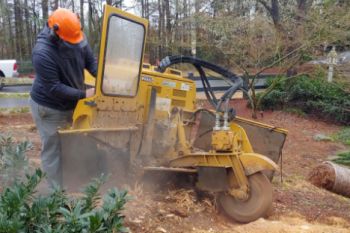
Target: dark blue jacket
pixel 59 68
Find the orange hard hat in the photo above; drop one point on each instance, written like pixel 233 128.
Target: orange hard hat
pixel 66 25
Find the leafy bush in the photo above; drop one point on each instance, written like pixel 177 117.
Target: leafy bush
pixel 343 136
pixel 274 100
pixel 343 158
pixel 22 211
pixel 312 96
pixel 13 160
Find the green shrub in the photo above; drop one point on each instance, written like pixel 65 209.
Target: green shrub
pixel 13 160
pixel 314 96
pixel 274 100
pixel 22 211
pixel 343 158
pixel 343 136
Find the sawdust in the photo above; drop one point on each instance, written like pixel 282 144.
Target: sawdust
pixel 288 225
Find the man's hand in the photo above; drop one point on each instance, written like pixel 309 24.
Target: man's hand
pixel 89 92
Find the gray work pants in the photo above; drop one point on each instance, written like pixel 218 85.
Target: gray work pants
pixel 47 121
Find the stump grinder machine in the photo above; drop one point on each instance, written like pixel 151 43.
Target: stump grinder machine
pixel 145 117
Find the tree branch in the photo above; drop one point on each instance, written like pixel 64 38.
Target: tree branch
pixel 264 3
pixel 281 59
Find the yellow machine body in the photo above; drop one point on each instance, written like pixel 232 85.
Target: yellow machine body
pixel 150 119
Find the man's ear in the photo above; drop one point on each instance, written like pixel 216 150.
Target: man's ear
pixel 53 35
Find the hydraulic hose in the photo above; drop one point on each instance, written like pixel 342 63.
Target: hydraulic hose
pixel 235 81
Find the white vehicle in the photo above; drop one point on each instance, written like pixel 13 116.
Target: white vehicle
pixel 8 69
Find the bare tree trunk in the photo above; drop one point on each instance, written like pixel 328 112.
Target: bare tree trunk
pixel 142 8
pixel 176 22
pixel 18 29
pixel 90 21
pixel 302 8
pixel 82 13
pixel 12 52
pixel 194 30
pixel 45 9
pixel 274 11
pixel 343 2
pixel 118 3
pixel 147 9
pixel 168 16
pixel 35 19
pixel 160 29
pixel 55 5
pixel 2 29
pixel 28 29
pixel 217 6
pixel 184 24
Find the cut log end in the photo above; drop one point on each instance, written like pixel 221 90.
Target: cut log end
pixel 323 176
pixel 332 177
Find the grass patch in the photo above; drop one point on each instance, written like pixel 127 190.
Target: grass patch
pixel 14 110
pixel 343 158
pixel 17 81
pixel 14 95
pixel 343 136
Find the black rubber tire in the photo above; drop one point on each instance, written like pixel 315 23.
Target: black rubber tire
pixel 258 204
pixel 2 76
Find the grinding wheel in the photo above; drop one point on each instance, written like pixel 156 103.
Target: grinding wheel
pixel 256 206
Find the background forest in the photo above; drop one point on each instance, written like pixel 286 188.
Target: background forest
pixel 234 33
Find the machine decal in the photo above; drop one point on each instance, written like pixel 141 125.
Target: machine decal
pixel 169 84
pixel 147 79
pixel 185 87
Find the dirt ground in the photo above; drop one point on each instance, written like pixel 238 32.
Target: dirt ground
pixel 298 206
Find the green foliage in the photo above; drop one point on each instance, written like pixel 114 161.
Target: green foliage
pixel 343 136
pixel 273 100
pixel 22 211
pixel 305 57
pixel 312 96
pixel 343 158
pixel 13 159
pixel 91 197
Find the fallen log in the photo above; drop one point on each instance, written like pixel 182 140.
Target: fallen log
pixel 332 177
